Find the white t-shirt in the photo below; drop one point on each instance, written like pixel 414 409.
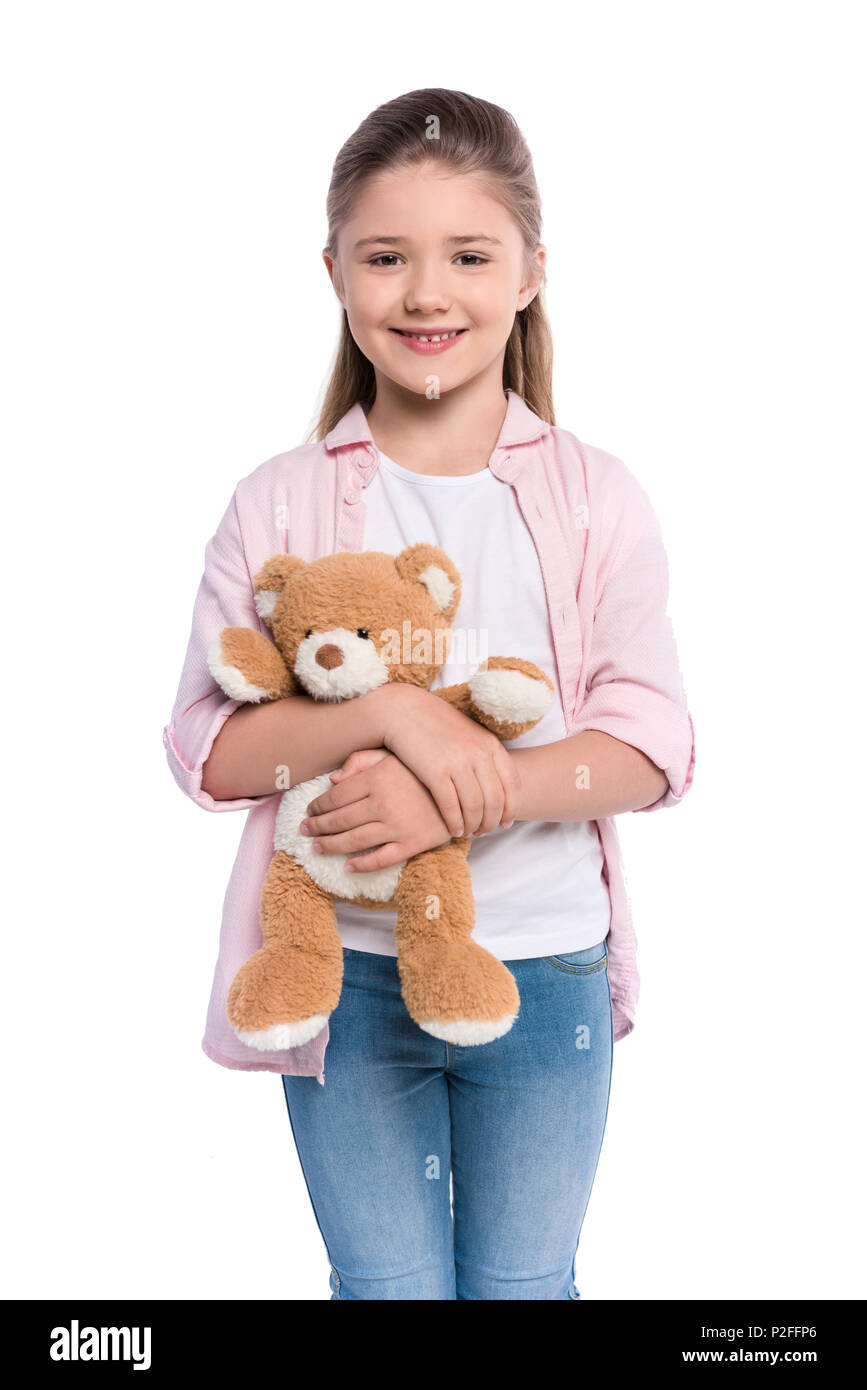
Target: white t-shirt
pixel 538 886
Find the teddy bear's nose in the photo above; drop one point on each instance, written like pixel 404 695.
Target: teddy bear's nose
pixel 329 656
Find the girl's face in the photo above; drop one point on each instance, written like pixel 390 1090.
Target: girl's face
pixel 428 250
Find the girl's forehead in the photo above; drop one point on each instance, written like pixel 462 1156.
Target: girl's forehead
pixel 428 201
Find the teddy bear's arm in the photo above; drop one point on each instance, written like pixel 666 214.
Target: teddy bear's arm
pixel 507 695
pixel 248 667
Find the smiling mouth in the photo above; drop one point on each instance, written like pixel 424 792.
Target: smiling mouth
pixel 430 337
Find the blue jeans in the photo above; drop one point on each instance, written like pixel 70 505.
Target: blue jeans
pixel 517 1124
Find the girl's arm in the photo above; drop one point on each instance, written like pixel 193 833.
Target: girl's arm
pixel 224 598
pixel 306 736
pixel 585 777
pixel 464 766
pixel 379 813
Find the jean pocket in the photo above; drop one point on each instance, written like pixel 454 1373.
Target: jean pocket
pixel 586 962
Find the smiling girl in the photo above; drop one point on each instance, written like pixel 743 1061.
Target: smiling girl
pixel 438 1170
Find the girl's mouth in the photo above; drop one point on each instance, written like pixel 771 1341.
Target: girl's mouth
pixel 428 343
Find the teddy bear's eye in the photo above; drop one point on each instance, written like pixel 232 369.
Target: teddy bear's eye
pixel 309 632
pixel 363 632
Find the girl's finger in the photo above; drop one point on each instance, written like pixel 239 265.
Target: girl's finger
pixel 350 841
pixel 344 793
pixel 382 858
pixel 492 788
pixel 357 762
pixel 445 794
pixel 472 799
pixel 331 822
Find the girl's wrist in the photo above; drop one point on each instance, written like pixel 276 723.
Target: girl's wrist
pixel 378 706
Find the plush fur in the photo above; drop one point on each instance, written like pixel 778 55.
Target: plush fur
pixel 342 626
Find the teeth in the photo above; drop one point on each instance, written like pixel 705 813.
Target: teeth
pixel 434 338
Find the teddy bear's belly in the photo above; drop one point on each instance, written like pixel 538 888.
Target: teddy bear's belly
pixel 327 869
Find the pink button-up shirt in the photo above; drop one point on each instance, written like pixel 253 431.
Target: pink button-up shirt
pixel 606 580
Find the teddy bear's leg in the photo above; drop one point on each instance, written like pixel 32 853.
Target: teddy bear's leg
pixel 282 996
pixel 453 988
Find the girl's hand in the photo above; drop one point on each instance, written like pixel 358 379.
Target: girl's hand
pixel 378 805
pixel 466 769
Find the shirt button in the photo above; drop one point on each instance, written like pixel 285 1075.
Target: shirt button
pixel 352 497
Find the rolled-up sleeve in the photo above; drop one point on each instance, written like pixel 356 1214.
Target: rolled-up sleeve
pixel 634 689
pixel 224 599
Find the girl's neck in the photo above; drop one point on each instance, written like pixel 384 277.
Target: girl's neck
pixel 452 436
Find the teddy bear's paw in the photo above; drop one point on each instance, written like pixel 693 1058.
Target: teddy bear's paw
pixel 511 691
pixel 458 992
pixel 283 996
pixel 230 680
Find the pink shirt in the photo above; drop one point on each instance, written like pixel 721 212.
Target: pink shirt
pixel 606 579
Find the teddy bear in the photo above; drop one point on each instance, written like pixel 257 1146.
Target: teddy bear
pixel 340 626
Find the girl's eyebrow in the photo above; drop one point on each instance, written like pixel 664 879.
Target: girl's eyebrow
pixel 450 241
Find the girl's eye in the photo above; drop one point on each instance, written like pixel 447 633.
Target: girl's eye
pixel 390 256
pixel 363 632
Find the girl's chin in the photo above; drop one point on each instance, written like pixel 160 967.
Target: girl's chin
pixel 416 375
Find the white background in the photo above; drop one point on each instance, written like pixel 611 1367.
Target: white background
pixel 168 326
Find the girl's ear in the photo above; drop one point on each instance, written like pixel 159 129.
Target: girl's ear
pixel 270 582
pixel 430 566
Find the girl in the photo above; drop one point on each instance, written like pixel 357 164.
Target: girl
pixel 440 1171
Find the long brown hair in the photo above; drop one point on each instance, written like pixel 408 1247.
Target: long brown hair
pixel 474 137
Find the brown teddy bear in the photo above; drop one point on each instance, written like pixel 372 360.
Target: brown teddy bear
pixel 340 627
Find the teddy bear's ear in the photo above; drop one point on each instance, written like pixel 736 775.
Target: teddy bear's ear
pixel 270 582
pixel 429 565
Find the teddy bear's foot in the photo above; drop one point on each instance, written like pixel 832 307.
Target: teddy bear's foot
pixel 282 1035
pixel 458 991
pixel 283 995
pixel 467 1032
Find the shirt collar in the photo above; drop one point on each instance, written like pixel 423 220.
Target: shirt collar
pixel 521 426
